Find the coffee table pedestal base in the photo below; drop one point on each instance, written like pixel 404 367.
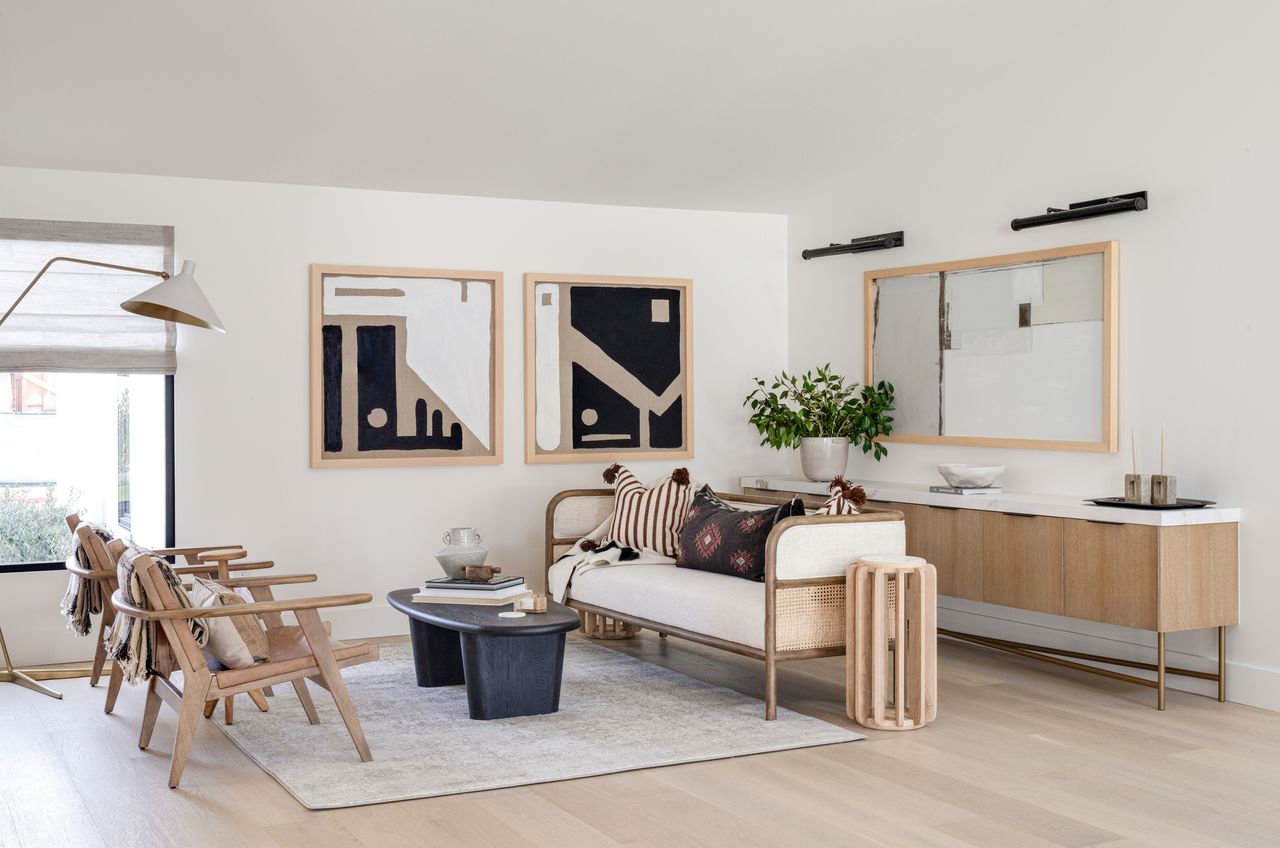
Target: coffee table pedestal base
pixel 437 658
pixel 505 676
pixel 509 677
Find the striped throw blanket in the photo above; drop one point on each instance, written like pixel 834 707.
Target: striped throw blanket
pixel 132 643
pixel 84 598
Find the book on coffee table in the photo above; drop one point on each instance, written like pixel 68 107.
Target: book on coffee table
pixel 454 584
pixel 494 597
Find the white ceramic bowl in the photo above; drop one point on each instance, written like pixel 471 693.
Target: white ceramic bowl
pixel 964 476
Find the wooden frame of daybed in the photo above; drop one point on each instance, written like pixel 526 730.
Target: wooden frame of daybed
pixel 597 621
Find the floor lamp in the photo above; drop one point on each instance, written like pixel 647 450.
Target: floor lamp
pixel 174 299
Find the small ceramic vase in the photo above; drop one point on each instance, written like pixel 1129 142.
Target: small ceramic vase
pixel 462 548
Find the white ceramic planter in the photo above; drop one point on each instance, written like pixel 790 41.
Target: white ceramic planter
pixel 823 459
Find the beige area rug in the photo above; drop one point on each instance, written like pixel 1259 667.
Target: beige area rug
pixel 617 713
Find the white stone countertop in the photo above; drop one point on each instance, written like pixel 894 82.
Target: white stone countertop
pixel 1026 503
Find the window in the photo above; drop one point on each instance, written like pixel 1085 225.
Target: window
pixel 85 414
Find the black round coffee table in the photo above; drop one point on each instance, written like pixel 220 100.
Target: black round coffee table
pixel 511 666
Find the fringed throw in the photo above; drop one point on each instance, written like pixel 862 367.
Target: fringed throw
pixel 84 598
pixel 132 643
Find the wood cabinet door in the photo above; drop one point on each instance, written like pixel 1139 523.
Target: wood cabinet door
pixel 950 539
pixel 1022 561
pixel 1109 572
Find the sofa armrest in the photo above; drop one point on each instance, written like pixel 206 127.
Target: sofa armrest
pixel 813 546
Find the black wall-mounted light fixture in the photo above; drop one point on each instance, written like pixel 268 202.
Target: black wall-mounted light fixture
pixel 884 241
pixel 1133 202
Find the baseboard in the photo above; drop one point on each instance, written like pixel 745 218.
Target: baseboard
pixel 1258 687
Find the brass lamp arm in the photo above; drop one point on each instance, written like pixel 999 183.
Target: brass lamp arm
pixel 164 275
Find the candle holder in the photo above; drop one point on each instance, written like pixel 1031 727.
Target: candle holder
pixel 1137 488
pixel 533 603
pixel 1164 489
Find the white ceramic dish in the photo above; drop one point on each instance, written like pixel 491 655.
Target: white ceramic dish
pixel 964 476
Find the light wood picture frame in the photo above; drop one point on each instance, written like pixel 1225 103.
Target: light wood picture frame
pixel 608 368
pixel 1075 403
pixel 406 366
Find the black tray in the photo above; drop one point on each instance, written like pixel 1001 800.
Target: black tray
pixel 1183 503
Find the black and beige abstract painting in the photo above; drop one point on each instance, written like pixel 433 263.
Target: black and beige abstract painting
pixel 1001 351
pixel 407 370
pixel 610 368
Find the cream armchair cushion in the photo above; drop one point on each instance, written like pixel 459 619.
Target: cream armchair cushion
pixel 236 641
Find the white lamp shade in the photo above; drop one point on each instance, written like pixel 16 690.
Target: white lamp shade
pixel 177 299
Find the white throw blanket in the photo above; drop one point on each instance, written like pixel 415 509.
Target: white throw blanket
pixel 579 560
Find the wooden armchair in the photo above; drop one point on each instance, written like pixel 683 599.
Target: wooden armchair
pixel 298 652
pixel 210 561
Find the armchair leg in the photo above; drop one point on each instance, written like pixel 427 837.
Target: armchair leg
pixel 100 654
pixel 149 714
pixel 113 688
pixel 318 639
pixel 194 693
pixel 259 699
pixel 228 711
pixel 308 706
pixel 209 707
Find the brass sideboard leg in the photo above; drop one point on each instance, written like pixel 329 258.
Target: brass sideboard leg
pixel 1160 671
pixel 1222 663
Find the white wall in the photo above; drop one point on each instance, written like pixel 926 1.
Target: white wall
pixel 1157 96
pixel 242 408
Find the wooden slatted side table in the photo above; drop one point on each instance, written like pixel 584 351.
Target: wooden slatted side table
pixel 892 609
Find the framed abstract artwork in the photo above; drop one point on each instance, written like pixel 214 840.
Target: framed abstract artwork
pixel 1014 351
pixel 406 366
pixel 608 368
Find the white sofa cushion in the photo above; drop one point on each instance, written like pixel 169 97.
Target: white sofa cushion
pixel 716 605
pixel 827 549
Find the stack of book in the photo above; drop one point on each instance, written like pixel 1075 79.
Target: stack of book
pixel 495 592
pixel 966 490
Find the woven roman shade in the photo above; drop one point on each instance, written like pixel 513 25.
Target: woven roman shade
pixel 72 320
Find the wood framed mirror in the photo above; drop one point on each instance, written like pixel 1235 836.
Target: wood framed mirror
pixel 1015 351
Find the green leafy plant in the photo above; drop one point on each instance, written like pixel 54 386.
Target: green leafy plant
pixel 34 529
pixel 819 404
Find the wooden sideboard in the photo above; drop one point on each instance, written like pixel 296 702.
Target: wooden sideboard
pixel 1162 571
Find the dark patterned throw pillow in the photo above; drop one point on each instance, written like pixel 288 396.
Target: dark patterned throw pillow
pixel 722 539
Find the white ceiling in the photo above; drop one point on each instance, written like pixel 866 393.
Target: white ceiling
pixel 725 104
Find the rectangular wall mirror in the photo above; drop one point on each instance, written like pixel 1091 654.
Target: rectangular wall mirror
pixel 1003 351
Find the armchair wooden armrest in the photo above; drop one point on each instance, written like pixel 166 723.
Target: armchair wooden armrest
pixel 222 555
pixel 292 605
pixel 277 580
pixel 263 582
pixel 88 574
pixel 195 551
pixel 215 567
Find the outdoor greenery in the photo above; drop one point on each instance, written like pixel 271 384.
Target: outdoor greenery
pixel 820 404
pixel 34 529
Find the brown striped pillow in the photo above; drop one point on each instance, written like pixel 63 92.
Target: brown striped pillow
pixel 648 518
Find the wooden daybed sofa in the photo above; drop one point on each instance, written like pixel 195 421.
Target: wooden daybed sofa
pixel 797 613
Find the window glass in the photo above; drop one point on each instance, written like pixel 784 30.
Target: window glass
pixel 88 443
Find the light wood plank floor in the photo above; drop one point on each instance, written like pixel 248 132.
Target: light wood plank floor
pixel 1021 755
